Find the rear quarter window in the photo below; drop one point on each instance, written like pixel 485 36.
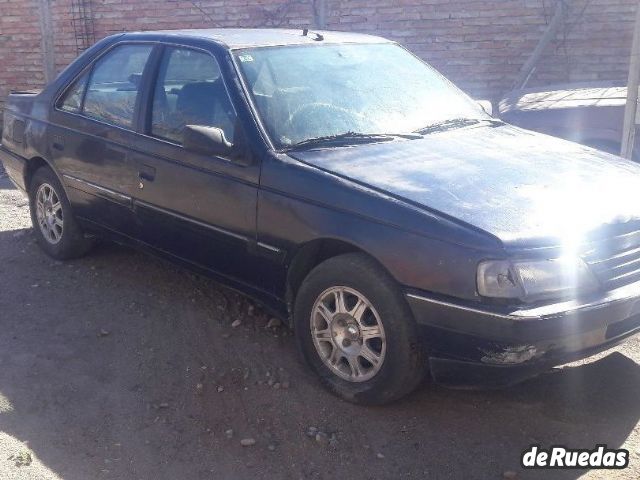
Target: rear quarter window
pixel 71 101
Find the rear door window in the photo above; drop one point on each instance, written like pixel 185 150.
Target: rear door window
pixel 115 83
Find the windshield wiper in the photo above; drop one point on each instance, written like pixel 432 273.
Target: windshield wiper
pixel 353 138
pixel 456 123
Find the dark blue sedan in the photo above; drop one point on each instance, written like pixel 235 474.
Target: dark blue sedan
pixel 348 187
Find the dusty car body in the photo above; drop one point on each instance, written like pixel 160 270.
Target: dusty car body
pixel 506 251
pixel 589 113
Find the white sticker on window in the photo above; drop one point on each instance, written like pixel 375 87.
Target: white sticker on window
pixel 245 58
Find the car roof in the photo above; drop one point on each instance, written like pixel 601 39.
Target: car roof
pixel 233 38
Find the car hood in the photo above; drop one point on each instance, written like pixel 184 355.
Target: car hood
pixel 525 188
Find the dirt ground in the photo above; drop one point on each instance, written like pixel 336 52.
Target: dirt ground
pixel 121 366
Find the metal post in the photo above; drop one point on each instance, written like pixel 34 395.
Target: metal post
pixel 320 13
pixel 631 110
pixel 46 44
pixel 550 33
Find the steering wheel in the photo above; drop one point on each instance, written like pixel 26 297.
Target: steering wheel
pixel 321 117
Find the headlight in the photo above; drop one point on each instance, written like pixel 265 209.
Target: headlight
pixel 535 280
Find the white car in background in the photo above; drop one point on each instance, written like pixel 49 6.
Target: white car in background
pixel 588 113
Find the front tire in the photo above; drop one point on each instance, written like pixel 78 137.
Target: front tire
pixel 356 331
pixel 55 227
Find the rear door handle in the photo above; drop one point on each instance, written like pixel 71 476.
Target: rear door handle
pixel 147 173
pixel 58 143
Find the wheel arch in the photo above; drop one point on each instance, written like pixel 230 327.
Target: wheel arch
pixel 33 164
pixel 310 255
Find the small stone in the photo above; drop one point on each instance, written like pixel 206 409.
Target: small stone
pixel 103 333
pixel 250 310
pixel 380 455
pixel 220 389
pixel 199 388
pixel 247 442
pixel 21 459
pixel 311 432
pixel 276 386
pixel 274 323
pixel 163 405
pixel 229 433
pixel 510 475
pixel 236 323
pixel 271 447
pixel 322 438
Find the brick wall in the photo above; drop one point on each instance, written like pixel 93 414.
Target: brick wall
pixel 20 57
pixel 479 44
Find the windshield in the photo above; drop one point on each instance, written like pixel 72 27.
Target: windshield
pixel 314 91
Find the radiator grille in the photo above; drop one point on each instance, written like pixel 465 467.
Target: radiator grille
pixel 618 262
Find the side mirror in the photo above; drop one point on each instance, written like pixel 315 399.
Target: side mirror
pixel 487 106
pixel 207 140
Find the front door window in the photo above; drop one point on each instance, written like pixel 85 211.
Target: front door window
pixel 190 91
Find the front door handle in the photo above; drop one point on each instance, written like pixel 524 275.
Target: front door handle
pixel 147 173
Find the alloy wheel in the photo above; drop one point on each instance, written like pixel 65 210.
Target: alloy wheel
pixel 49 213
pixel 348 334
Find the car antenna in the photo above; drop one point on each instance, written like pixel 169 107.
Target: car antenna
pixel 318 37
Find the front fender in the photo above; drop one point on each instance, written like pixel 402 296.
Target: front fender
pixel 298 204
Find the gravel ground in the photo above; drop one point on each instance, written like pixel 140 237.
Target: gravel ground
pixel 121 366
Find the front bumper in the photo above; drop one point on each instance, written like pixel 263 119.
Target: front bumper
pixel 15 166
pixel 473 345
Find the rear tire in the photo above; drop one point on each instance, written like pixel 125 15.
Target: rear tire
pixel 55 227
pixel 356 331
